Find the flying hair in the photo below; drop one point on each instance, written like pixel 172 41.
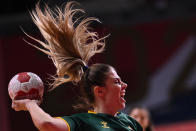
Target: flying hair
pixel 70 43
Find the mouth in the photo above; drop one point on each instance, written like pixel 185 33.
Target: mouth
pixel 122 96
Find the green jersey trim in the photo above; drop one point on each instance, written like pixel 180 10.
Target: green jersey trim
pixel 69 129
pixel 92 112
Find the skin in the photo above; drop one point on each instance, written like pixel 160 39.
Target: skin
pixel 142 116
pixel 108 99
pixel 42 120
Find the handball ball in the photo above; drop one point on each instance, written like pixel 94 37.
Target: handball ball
pixel 26 85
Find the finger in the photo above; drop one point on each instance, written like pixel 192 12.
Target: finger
pixel 39 102
pixel 21 100
pixel 17 109
pixel 16 105
pixel 13 105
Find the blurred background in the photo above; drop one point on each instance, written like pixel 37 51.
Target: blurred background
pixel 151 44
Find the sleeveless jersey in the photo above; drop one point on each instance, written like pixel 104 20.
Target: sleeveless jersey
pixel 92 121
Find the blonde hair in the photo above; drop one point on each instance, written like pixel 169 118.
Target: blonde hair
pixel 69 43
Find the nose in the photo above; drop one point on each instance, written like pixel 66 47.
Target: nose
pixel 124 85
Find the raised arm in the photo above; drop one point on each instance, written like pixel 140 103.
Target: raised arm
pixel 42 120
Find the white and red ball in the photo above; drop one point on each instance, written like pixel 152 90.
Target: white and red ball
pixel 26 85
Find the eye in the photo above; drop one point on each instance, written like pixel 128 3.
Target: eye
pixel 117 81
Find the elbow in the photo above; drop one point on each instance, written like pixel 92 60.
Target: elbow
pixel 46 126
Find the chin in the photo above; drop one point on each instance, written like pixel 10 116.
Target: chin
pixel 122 106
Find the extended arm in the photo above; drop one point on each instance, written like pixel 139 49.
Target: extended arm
pixel 42 120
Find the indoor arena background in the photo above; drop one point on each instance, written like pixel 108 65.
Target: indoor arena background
pixel 152 44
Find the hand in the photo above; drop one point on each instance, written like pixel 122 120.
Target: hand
pixel 21 105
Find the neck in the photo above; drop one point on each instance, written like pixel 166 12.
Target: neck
pixel 109 111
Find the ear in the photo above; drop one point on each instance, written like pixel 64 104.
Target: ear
pixel 99 91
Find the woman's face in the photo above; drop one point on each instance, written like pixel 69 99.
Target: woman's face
pixel 115 91
pixel 142 116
